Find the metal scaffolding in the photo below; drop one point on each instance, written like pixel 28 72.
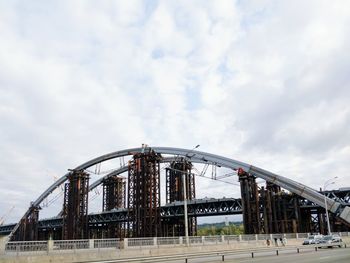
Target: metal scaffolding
pixel 175 192
pixel 28 229
pixel 250 202
pixel 114 190
pixel 144 195
pixel 113 193
pixel 75 206
pixel 268 209
pixel 281 210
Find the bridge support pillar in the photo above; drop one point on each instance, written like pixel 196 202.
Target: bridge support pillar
pixel 28 229
pixel 250 202
pixel 175 192
pixel 114 197
pixel 75 206
pixel 144 195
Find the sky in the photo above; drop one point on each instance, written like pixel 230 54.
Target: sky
pixel 263 82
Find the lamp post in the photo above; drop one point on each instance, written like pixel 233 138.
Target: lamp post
pixel 327 183
pixel 185 199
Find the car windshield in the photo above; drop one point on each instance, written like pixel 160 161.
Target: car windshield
pixel 311 237
pixel 327 237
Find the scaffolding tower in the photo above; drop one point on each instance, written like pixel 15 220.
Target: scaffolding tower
pixel 114 190
pixel 144 195
pixel 175 192
pixel 75 206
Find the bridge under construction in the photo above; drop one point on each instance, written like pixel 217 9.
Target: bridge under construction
pixel 131 205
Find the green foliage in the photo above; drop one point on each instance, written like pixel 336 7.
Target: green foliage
pixel 220 229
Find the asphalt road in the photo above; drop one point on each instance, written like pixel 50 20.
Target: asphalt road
pixel 335 255
pixel 306 255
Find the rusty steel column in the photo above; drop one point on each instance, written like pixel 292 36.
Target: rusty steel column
pixel 75 206
pixel 28 230
pixel 113 193
pixel 144 195
pixel 281 210
pixel 113 198
pixel 250 202
pixel 174 192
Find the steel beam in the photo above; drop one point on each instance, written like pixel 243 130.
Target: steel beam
pixel 300 189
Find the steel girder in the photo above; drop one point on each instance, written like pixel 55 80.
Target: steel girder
pixel 198 207
pixel 295 187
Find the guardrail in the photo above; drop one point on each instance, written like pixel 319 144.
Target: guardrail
pixel 65 245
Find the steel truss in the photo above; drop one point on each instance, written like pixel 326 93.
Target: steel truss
pixel 200 207
pixel 250 202
pixel 144 195
pixel 339 209
pixel 75 206
pixel 114 190
pixel 270 209
pixel 28 229
pixel 175 192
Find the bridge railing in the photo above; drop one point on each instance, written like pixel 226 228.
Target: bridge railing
pixel 168 241
pixel 141 242
pixel 113 243
pixel 25 246
pixel 70 244
pixel 107 243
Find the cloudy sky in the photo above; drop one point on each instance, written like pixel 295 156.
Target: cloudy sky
pixel 264 82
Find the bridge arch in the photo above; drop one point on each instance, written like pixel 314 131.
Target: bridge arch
pixel 204 157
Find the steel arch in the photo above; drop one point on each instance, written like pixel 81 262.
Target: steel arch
pixel 203 157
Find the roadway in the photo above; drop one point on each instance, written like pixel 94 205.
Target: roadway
pixel 306 255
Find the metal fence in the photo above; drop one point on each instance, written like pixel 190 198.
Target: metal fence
pixel 113 243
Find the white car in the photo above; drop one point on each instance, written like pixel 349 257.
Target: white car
pixel 332 240
pixel 313 239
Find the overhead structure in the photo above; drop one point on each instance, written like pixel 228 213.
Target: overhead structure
pixel 75 206
pixel 175 193
pixel 28 226
pixel 114 193
pixel 268 209
pixel 144 194
pixel 250 202
pixel 336 207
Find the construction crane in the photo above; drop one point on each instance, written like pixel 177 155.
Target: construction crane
pixel 2 218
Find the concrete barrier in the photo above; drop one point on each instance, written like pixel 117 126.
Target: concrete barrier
pixel 63 256
pixel 125 251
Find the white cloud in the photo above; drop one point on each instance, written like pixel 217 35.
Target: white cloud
pixel 264 82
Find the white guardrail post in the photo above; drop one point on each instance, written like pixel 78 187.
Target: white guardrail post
pixel 49 245
pixel 126 243
pixel 2 245
pixel 91 243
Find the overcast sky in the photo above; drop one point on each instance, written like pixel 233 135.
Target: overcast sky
pixel 264 82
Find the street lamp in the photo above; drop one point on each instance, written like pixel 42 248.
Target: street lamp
pixel 185 199
pixel 327 183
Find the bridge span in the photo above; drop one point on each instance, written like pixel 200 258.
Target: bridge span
pixel 265 209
